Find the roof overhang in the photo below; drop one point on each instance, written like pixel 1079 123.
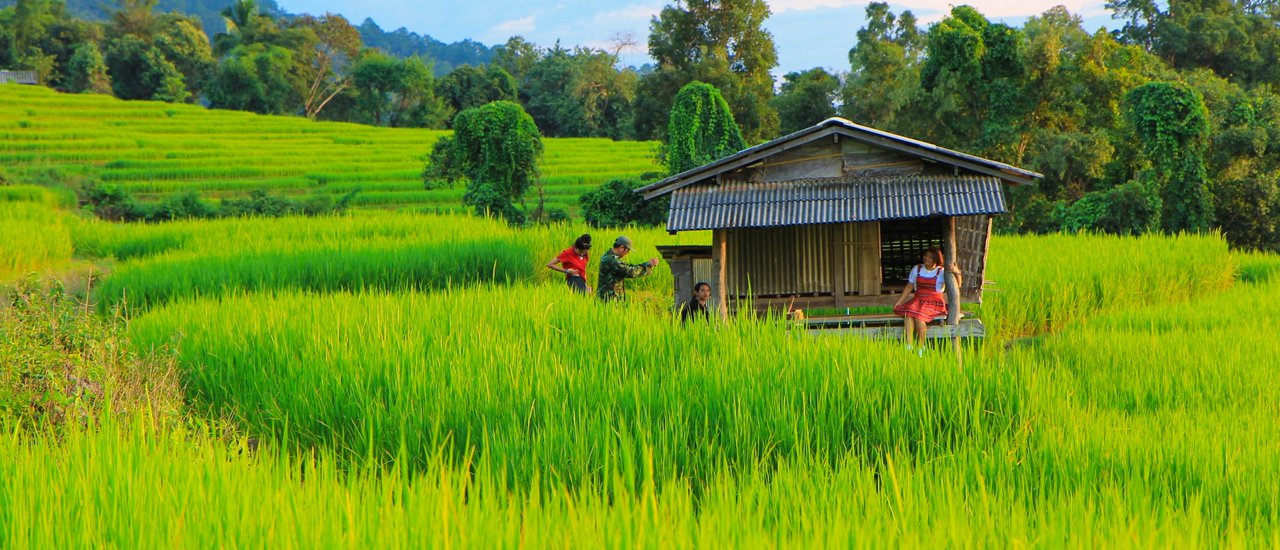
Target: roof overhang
pixel 839 128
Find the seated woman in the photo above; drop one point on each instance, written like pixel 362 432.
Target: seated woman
pixel 923 298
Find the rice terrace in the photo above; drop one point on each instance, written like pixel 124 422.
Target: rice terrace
pixel 276 280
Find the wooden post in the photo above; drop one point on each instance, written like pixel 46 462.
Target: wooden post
pixel 837 263
pixel 719 247
pixel 953 290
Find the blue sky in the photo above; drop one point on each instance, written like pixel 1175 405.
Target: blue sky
pixel 808 33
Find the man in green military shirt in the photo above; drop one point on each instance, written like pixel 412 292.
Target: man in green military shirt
pixel 613 271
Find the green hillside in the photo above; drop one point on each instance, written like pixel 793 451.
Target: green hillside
pixel 152 149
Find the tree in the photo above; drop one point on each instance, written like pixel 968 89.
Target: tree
pixel 329 45
pixel 140 71
pixel 885 72
pixel 87 71
pixel 393 92
pixel 255 78
pixel 701 129
pixel 721 42
pixel 548 88
pixel 468 87
pixel 806 98
pixel 516 57
pixel 497 147
pixel 1171 122
pixel 183 44
pixel 135 18
pixel 615 204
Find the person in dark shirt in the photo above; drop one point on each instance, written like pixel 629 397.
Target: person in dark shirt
pixel 697 308
pixel 614 272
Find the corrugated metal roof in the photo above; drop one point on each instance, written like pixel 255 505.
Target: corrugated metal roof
pixel 834 200
pixel 18 77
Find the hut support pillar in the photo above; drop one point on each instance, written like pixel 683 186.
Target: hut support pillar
pixel 719 247
pixel 837 264
pixel 953 290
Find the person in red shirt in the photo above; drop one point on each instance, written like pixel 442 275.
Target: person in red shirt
pixel 573 263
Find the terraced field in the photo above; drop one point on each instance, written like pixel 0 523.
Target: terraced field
pixel 393 379
pixel 154 148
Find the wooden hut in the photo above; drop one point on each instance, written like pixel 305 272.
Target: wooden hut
pixel 831 218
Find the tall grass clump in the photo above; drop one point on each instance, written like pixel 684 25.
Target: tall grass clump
pixel 159 262
pixel 36 238
pixel 145 489
pixel 1043 283
pixel 153 281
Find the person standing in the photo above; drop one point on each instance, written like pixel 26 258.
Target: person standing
pixel 923 298
pixel 614 272
pixel 573 262
pixel 697 308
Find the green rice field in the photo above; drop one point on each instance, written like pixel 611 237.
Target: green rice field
pixel 152 149
pixel 406 380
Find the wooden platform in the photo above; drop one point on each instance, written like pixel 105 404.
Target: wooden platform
pixel 884 326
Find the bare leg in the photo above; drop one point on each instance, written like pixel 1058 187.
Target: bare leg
pixel 908 327
pixel 921 329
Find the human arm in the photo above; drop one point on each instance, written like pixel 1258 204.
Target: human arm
pixel 902 297
pixel 638 270
pixel 910 288
pixel 954 270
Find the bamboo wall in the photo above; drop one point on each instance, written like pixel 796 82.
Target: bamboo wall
pixel 808 260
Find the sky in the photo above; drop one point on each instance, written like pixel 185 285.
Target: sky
pixel 807 33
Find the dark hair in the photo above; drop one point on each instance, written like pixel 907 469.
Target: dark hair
pixel 938 258
pixel 697 286
pixel 583 242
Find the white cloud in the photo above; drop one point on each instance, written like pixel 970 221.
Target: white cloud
pixel 627 15
pixel 780 6
pixel 989 8
pixel 523 24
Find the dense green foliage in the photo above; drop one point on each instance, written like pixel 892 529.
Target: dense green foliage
pixel 702 129
pixel 806 98
pixel 1172 124
pixel 1052 97
pixel 66 365
pixel 496 147
pixel 616 204
pixel 722 43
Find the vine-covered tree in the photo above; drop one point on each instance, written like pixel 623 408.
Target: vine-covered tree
pixel 496 147
pixel 701 129
pixel 1172 124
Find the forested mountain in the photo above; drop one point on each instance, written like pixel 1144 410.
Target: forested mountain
pixel 400 42
pixel 405 43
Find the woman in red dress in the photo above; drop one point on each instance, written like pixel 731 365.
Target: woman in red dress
pixel 923 298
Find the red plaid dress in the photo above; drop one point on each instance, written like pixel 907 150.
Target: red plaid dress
pixel 928 303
